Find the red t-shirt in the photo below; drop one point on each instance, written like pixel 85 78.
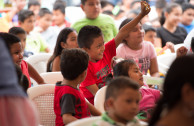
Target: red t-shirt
pixel 97 72
pixel 69 100
pixel 24 68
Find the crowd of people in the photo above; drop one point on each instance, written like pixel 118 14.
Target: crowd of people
pixel 113 45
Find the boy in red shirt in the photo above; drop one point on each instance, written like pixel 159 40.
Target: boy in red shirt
pixel 90 38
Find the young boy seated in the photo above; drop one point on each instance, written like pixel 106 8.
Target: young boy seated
pixel 69 103
pixel 15 47
pixel 150 35
pixel 90 38
pixel 121 103
pixel 93 17
pixel 44 22
pixel 34 42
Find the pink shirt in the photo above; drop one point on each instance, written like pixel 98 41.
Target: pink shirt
pixel 142 56
pixel 149 98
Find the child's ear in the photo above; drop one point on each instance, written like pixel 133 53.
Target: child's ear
pixel 109 103
pixel 63 45
pixel 20 23
pixel 82 7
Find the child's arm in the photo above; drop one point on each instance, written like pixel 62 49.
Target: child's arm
pixel 93 89
pixel 170 45
pixel 182 51
pixel 67 118
pixel 154 68
pixel 93 110
pixel 35 75
pixel 124 31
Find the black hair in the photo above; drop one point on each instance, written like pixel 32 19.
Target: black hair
pixel 44 11
pixel 9 39
pixel 117 85
pixel 17 30
pixel 192 44
pixel 24 14
pixel 73 63
pixel 83 2
pixel 87 34
pixel 22 79
pixel 62 37
pixel 33 3
pixel 108 13
pixel 187 6
pixel 122 68
pixel 148 28
pixel 59 5
pixel 168 9
pixel 105 3
pixel 179 74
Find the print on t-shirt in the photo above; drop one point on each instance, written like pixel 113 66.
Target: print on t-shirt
pixel 102 75
pixel 143 63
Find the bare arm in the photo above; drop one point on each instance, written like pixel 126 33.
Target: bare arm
pixel 154 68
pixel 56 64
pixel 93 110
pixel 124 31
pixel 93 89
pixel 47 50
pixel 35 75
pixel 67 118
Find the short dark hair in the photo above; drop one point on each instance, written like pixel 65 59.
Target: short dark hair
pixel 9 39
pixel 59 5
pixel 117 85
pixel 83 2
pixel 73 63
pixel 122 68
pixel 186 6
pixel 87 34
pixel 44 11
pixel 24 14
pixel 33 3
pixel 148 28
pixel 105 3
pixel 17 30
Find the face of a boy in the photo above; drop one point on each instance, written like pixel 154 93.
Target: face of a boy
pixel 20 4
pixel 150 36
pixel 16 53
pixel 96 49
pixel 135 74
pixel 45 21
pixel 92 8
pixel 188 16
pixel 28 24
pixel 126 106
pixel 58 18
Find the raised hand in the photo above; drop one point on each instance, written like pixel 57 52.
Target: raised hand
pixel 145 8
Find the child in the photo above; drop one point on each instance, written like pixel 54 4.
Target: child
pixel 34 6
pixel 69 103
pixel 121 103
pixel 150 35
pixel 149 97
pixel 34 42
pixel 59 16
pixel 44 22
pixel 67 38
pixel 93 17
pixel 15 48
pixel 187 17
pixel 134 47
pixel 170 31
pixel 21 34
pixel 90 38
pixel 176 106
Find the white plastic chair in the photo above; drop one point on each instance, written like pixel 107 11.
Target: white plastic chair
pixel 100 98
pixel 85 121
pixel 39 61
pixel 154 81
pixel 43 98
pixel 164 61
pixel 51 77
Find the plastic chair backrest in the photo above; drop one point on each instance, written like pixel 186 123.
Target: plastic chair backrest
pixel 39 61
pixel 43 98
pixel 100 98
pixel 51 77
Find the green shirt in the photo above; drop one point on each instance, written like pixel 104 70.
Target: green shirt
pixel 107 121
pixel 104 22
